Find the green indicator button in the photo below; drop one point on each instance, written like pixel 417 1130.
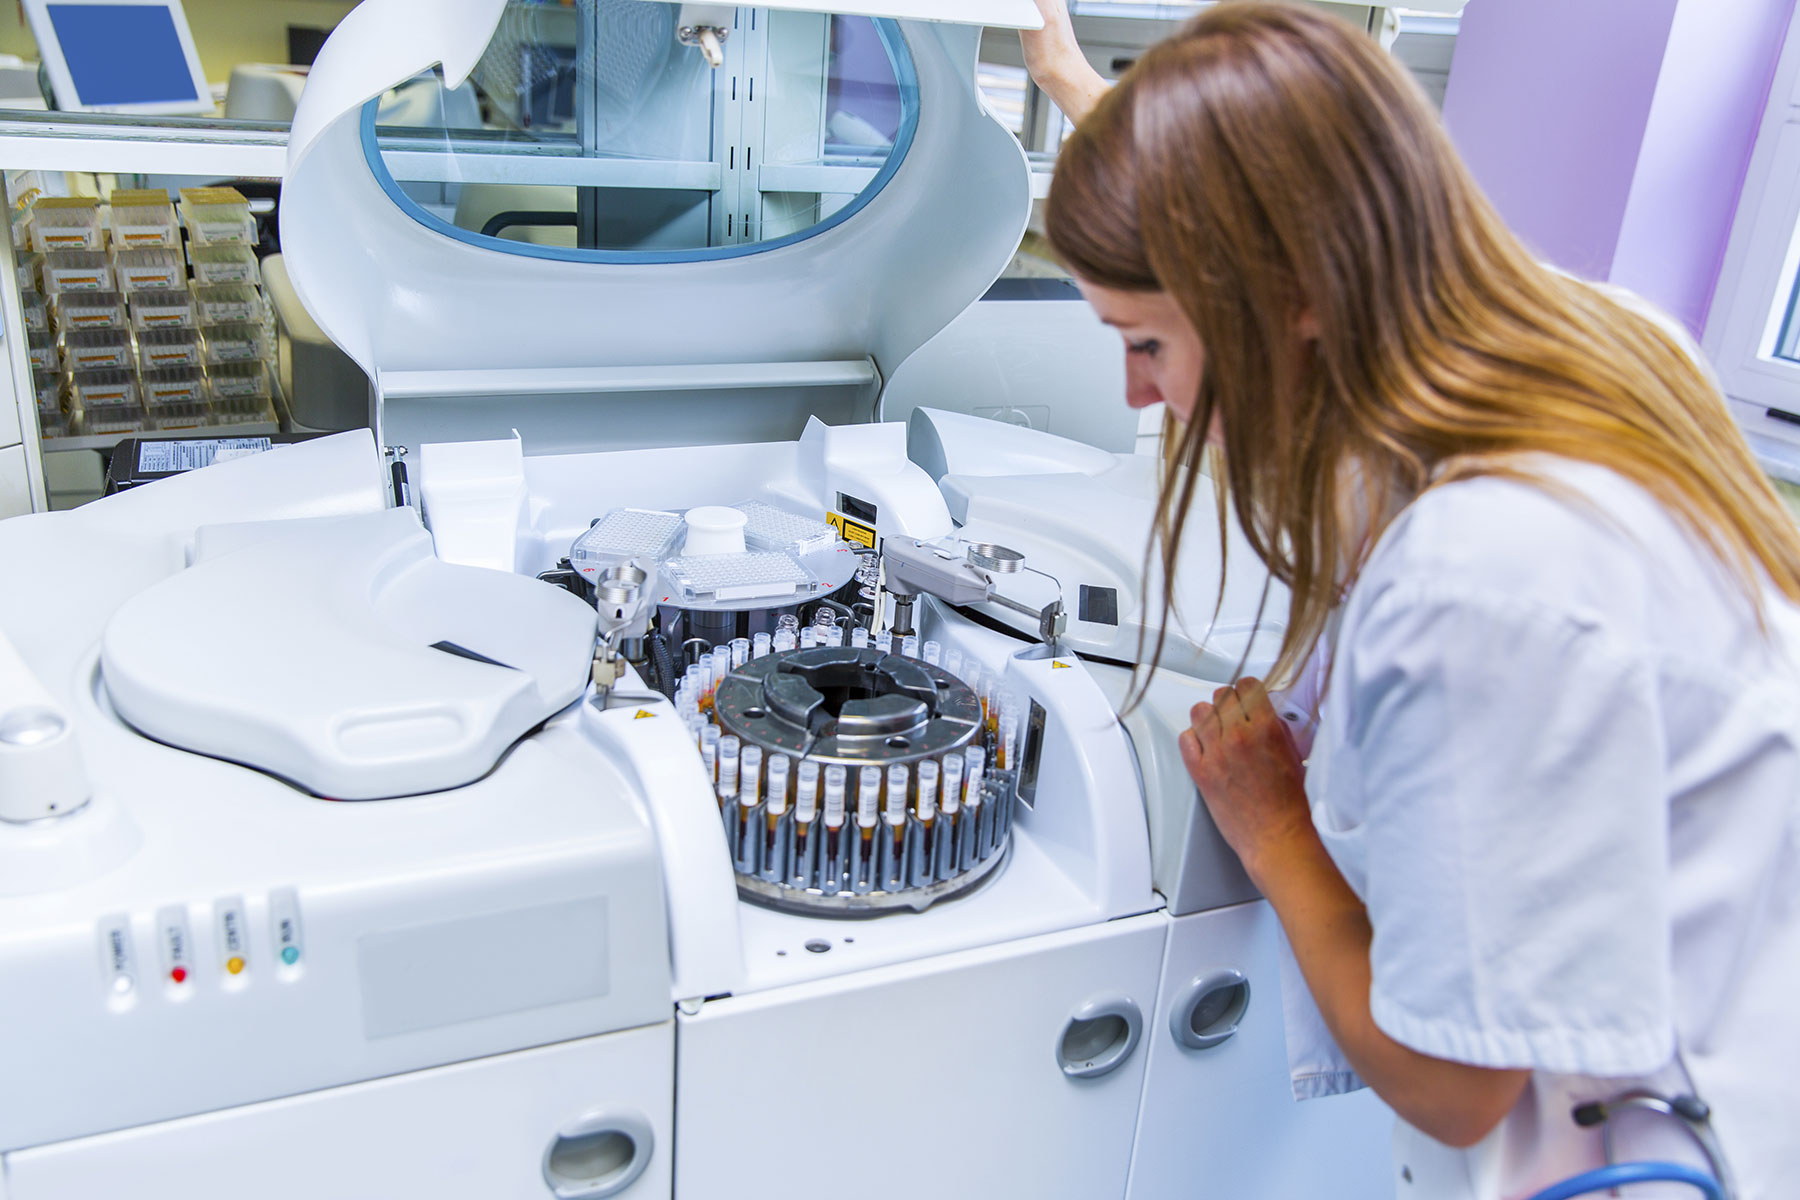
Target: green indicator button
pixel 290 955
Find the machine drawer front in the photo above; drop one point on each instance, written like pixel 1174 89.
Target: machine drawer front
pixel 580 1120
pixel 1219 1115
pixel 1013 1070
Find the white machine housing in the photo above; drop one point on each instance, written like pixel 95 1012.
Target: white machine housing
pixel 540 980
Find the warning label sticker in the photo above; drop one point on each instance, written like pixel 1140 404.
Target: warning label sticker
pixel 644 714
pixel 852 531
pixel 164 458
pixel 1062 666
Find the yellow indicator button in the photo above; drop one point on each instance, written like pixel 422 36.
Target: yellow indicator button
pixel 234 965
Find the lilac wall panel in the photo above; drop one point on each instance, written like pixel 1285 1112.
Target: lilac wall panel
pixel 1703 124
pixel 1614 135
pixel 1548 101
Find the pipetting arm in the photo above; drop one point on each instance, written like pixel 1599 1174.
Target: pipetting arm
pixel 913 566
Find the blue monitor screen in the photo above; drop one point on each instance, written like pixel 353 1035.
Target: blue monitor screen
pixel 123 53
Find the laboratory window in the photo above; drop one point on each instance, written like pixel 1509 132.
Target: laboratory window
pixel 1753 329
pixel 593 129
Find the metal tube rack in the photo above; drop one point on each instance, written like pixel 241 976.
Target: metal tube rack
pixel 917 814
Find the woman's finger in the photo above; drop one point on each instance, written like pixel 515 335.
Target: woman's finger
pixel 1230 708
pixel 1253 697
pixel 1191 754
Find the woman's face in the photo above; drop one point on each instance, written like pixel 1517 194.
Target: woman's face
pixel 1162 352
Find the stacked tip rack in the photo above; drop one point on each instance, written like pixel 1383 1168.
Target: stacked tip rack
pixel 143 318
pixel 854 779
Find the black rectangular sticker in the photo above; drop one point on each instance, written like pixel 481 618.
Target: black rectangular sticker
pixel 1032 756
pixel 1099 605
pixel 858 510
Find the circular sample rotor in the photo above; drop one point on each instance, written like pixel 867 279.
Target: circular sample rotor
pixel 848 706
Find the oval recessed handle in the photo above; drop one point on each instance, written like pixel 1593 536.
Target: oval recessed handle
pixel 599 1155
pixel 1099 1037
pixel 1208 1011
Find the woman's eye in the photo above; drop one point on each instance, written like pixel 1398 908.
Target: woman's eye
pixel 1147 348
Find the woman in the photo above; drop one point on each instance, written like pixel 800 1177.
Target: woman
pixel 1544 851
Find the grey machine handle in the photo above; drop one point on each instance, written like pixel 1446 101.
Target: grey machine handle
pixel 599 1155
pixel 1209 1009
pixel 1099 1037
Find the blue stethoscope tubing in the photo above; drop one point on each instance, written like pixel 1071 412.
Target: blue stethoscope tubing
pixel 1619 1174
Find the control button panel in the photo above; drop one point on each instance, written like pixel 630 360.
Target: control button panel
pixel 285 931
pixel 118 960
pixel 176 944
pixel 232 928
pixel 185 966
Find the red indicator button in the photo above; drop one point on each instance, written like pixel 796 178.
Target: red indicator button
pixel 179 974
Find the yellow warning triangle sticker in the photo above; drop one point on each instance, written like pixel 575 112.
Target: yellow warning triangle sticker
pixel 643 714
pixel 1061 666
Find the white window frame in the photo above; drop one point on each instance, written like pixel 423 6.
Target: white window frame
pixel 1760 273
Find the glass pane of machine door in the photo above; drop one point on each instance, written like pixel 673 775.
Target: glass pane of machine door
pixel 609 129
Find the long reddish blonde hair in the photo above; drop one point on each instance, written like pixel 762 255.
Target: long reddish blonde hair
pixel 1268 162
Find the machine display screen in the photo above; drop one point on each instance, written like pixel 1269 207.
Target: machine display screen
pixel 123 53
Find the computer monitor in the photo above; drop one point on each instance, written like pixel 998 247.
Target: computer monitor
pixel 119 56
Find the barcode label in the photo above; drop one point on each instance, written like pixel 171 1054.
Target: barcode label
pixel 163 458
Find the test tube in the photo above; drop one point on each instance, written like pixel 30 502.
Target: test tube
pixel 884 642
pixel 943 848
pixel 750 776
pixel 709 751
pixel 803 866
pixel 721 665
pixel 788 621
pixel 919 864
pixel 785 639
pixel 1007 759
pixel 809 637
pixel 969 848
pixel 740 652
pixel 899 783
pixel 831 856
pixel 933 651
pixel 953 661
pixel 749 836
pixel 760 645
pixel 868 815
pixel 859 637
pixel 834 636
pixel 778 826
pixel 891 875
pixel 728 767
pixel 909 645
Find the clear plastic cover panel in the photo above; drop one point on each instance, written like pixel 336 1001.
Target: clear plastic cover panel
pixel 604 130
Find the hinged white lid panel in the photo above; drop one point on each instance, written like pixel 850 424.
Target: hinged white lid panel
pixel 421 304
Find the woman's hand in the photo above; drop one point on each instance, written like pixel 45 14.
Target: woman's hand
pixel 1057 64
pixel 1242 757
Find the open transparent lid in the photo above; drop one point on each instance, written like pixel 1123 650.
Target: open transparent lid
pixel 520 200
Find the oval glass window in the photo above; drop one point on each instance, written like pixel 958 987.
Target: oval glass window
pixel 600 130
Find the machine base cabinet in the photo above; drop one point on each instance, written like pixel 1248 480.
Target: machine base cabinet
pixel 1013 1070
pixel 1219 1118
pixel 586 1119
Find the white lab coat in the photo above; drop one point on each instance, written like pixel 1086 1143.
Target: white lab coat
pixel 1560 763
